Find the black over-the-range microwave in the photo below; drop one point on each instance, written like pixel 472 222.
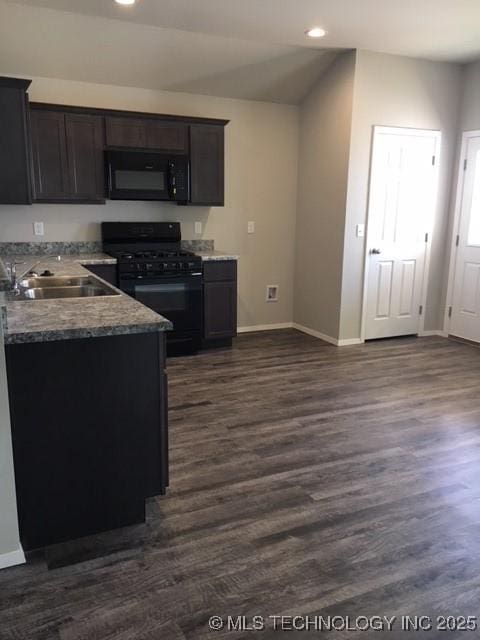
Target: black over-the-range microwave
pixel 146 175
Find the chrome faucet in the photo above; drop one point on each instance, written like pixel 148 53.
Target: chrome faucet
pixel 12 274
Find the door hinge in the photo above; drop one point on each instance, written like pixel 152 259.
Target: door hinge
pixel 450 312
pixel 420 311
pixel 433 161
pixel 458 241
pixel 465 162
pixel 426 237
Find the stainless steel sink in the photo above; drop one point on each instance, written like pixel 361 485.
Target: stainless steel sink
pixel 51 293
pixel 51 288
pixel 40 282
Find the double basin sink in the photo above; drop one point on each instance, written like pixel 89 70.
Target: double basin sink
pixel 55 287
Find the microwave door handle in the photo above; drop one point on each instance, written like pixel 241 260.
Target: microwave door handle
pixel 172 188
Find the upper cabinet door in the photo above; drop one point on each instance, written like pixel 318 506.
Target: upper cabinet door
pixel 126 132
pixel 144 133
pixel 170 137
pixel 207 164
pixel 15 182
pixel 85 156
pixel 49 149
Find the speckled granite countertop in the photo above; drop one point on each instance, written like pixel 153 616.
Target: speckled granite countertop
pixel 63 319
pixel 208 256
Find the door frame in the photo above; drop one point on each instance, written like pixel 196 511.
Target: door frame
pixel 457 216
pixel 435 133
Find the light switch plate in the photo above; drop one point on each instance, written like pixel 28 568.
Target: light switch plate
pixel 38 228
pixel 251 227
pixel 198 228
pixel 360 230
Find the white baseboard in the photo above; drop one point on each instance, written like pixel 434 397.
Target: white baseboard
pixel 265 327
pixel 299 327
pixel 323 336
pixel 12 558
pixel 433 332
pixel 347 342
pixel 315 334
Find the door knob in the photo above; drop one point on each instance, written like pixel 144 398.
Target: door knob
pixel 375 252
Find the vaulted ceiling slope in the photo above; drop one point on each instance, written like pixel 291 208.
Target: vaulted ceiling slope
pixel 253 49
pixel 42 42
pixel 432 29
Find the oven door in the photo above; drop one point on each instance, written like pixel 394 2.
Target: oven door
pixel 134 175
pixel 178 298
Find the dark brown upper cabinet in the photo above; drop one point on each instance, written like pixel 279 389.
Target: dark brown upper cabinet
pixel 85 156
pixel 165 136
pixel 125 132
pixel 171 137
pixel 15 182
pixel 49 155
pixel 67 153
pixel 68 145
pixel 207 164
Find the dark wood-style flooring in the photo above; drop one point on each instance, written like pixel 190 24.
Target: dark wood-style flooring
pixel 305 479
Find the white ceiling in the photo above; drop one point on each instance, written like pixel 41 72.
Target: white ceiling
pixel 253 49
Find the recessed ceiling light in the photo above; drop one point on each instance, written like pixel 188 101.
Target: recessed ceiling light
pixel 125 1
pixel 315 32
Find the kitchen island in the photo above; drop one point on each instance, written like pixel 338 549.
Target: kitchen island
pixel 88 398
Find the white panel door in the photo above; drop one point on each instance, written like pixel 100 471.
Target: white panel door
pixel 401 207
pixel 465 321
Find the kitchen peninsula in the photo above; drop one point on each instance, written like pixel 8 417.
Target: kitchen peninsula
pixel 88 399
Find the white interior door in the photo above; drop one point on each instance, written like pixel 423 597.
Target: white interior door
pixel 401 208
pixel 465 321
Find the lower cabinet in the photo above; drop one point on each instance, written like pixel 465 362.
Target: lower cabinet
pixel 107 272
pixel 219 302
pixel 89 432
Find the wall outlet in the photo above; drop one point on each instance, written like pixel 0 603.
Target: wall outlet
pixel 272 293
pixel 198 228
pixel 251 227
pixel 38 228
pixel 360 230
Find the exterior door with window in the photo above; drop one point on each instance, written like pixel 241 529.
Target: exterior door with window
pixel 465 312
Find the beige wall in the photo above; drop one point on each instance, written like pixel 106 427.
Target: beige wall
pixel 403 92
pixel 261 185
pixel 325 120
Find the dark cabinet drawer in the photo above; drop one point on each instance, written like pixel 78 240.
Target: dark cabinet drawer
pixel 217 271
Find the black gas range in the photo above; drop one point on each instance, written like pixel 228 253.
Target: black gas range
pixel 153 268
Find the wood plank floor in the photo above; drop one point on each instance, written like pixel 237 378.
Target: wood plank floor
pixel 305 479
